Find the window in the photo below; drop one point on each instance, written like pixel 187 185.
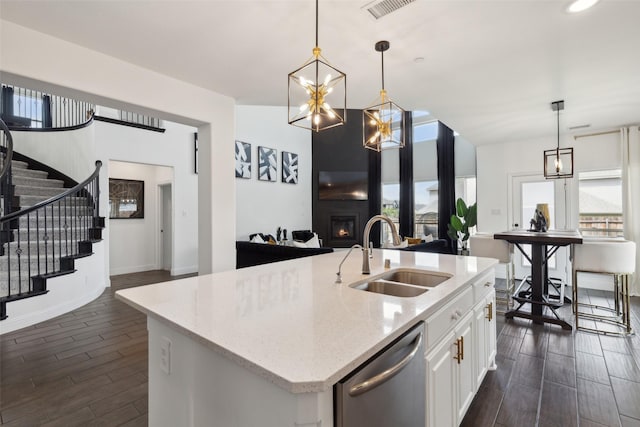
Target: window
pixel 390 191
pixel 425 175
pixel 28 105
pixel 600 203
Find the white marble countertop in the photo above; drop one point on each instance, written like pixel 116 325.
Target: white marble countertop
pixel 290 323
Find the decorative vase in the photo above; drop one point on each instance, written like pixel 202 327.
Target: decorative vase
pixel 544 208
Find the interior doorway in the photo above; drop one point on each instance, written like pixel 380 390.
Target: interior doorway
pixel 166 230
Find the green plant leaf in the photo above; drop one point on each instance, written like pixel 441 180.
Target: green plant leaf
pixel 453 234
pixel 472 216
pixel 461 208
pixel 456 223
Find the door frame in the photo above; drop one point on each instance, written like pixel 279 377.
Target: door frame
pixel 160 246
pixel 563 190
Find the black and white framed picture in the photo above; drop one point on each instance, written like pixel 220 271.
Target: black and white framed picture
pixel 289 167
pixel 243 159
pixel 267 164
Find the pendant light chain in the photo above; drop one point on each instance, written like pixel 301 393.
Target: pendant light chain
pixel 382 53
pixel 558 133
pixel 316 23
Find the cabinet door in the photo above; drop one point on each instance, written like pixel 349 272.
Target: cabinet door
pixel 485 334
pixel 466 381
pixel 491 333
pixel 481 313
pixel 441 383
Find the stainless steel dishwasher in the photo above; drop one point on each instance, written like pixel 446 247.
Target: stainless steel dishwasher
pixel 389 389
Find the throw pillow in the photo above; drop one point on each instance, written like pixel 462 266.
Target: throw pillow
pixel 298 244
pixel 313 242
pixel 428 238
pixel 257 239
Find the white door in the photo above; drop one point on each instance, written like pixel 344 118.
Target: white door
pixel 526 192
pixel 166 231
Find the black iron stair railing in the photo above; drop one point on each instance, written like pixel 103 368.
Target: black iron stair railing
pixel 42 241
pixel 6 156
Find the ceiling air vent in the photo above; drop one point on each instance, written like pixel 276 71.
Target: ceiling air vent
pixel 378 9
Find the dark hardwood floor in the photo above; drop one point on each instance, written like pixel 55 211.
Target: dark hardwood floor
pixel 84 368
pixel 547 376
pixel 89 368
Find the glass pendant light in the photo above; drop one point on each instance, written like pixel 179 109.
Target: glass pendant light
pixel 383 122
pixel 317 93
pixel 558 163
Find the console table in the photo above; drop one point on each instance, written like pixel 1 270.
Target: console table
pixel 543 246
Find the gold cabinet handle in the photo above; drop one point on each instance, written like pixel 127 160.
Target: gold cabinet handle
pixel 487 284
pixel 458 355
pixel 461 348
pixel 490 311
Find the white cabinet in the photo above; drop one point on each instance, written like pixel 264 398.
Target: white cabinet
pixel 461 340
pixel 441 378
pixel 485 332
pixel 465 364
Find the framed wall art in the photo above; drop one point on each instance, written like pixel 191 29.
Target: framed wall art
pixel 289 167
pixel 126 198
pixel 267 164
pixel 243 159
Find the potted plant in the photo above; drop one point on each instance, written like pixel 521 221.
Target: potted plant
pixel 458 228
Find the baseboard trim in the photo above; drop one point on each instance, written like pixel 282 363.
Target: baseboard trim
pixel 184 270
pixel 15 322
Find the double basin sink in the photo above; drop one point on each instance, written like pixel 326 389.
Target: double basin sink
pixel 403 283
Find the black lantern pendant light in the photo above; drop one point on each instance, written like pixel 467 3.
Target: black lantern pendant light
pixel 558 163
pixel 383 122
pixel 317 93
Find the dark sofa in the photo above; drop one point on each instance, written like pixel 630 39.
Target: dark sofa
pixel 439 246
pixel 249 254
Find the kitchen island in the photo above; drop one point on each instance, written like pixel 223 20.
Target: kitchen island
pixel 264 346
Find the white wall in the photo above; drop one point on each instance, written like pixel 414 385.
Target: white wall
pixel 71 152
pixel 133 242
pixel 80 73
pixel 144 150
pixel 262 206
pixel 498 163
pixel 66 293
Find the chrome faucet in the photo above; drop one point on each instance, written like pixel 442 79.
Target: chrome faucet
pixel 367 230
pixel 339 273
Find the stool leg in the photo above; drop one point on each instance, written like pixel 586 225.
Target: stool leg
pixel 616 292
pixel 626 303
pixel 574 301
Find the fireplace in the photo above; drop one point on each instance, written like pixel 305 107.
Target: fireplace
pixel 343 230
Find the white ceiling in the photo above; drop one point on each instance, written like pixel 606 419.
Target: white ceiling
pixel 490 68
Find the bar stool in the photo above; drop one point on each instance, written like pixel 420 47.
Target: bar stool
pixel 484 245
pixel 612 257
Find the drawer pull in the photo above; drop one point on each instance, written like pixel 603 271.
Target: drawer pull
pixel 461 348
pixel 458 355
pixel 488 284
pixel 490 311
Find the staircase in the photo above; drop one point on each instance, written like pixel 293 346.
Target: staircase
pixel 51 227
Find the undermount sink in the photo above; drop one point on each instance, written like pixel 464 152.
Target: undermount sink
pixel 403 283
pixel 416 278
pixel 391 288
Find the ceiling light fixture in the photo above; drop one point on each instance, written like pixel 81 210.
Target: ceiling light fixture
pixel 383 122
pixel 581 5
pixel 558 163
pixel 310 86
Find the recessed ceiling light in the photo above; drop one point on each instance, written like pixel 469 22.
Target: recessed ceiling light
pixel 580 5
pixel 418 59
